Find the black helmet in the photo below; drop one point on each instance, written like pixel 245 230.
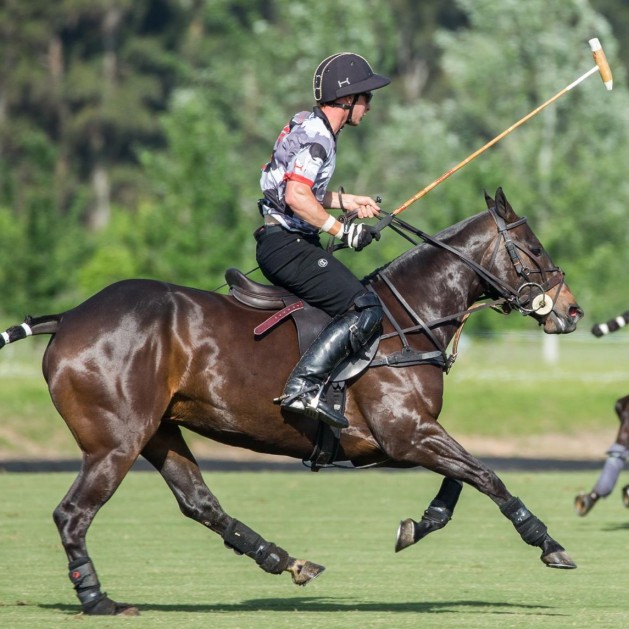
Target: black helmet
pixel 345 74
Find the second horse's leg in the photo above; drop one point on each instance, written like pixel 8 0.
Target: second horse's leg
pixel 170 455
pixel 616 457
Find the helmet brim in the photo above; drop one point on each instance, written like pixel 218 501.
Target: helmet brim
pixel 374 82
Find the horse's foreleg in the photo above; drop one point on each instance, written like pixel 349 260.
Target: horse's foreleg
pixel 439 452
pixel 170 455
pixel 534 532
pixel 436 516
pixel 94 485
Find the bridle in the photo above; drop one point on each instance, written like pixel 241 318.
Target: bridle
pixel 520 299
pixel 507 297
pixel 510 298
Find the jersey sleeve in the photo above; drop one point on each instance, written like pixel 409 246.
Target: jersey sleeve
pixel 310 154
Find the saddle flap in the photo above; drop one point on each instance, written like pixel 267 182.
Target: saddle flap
pixel 309 320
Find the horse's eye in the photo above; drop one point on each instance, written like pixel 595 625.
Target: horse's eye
pixel 536 251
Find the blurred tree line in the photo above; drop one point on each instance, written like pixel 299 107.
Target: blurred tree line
pixel 132 131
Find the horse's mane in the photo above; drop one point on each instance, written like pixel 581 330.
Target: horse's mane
pixel 445 235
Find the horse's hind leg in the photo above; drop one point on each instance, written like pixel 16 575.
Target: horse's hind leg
pixel 616 457
pixel 97 481
pixel 169 454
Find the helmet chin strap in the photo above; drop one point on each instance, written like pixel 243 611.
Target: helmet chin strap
pixel 349 108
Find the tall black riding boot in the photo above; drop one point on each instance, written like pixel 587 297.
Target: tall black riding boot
pixel 305 384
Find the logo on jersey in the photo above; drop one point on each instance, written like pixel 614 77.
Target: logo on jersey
pixel 322 262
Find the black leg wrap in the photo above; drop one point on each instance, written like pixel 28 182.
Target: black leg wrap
pixel 243 540
pixel 448 494
pixel 531 529
pixel 439 511
pixel 86 584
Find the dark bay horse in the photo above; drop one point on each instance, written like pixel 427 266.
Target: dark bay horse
pixel 135 362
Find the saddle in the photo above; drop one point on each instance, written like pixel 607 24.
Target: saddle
pixel 309 322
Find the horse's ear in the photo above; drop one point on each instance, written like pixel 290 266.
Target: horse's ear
pixel 503 206
pixel 490 202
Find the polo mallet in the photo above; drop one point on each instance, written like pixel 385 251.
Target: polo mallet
pixel 606 74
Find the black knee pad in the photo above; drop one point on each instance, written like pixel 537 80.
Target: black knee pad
pixel 367 317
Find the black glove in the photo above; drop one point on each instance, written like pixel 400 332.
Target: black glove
pixel 358 235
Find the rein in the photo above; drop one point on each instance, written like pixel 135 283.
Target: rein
pixel 509 298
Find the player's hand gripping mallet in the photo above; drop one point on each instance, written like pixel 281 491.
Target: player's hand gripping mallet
pixel 606 74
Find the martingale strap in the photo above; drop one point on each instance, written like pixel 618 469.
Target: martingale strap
pixel 409 356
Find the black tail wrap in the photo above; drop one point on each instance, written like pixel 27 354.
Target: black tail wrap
pixel 243 540
pixel 83 577
pixel 531 529
pixel 613 325
pixel 15 333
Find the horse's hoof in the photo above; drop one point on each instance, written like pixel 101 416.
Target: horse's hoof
pixel 559 559
pixel 405 535
pixel 583 503
pixel 303 572
pixel 107 607
pixel 625 496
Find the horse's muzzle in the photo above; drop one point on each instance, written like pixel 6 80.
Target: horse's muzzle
pixel 562 320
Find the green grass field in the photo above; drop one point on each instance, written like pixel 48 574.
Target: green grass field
pixel 475 573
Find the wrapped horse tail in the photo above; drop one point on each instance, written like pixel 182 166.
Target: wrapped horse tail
pixel 613 325
pixel 31 326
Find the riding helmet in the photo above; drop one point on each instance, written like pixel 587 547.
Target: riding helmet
pixel 345 74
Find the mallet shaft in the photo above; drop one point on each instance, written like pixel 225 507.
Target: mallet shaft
pixel 601 66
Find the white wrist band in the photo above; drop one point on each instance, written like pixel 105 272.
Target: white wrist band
pixel 329 223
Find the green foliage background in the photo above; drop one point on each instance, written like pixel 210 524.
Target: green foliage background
pixel 132 133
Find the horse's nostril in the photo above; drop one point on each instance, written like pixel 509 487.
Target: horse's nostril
pixel 575 312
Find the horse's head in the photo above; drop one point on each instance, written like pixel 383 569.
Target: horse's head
pixel 536 285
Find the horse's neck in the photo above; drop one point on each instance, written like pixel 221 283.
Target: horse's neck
pixel 433 282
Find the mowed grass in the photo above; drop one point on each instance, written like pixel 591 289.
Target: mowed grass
pixel 475 573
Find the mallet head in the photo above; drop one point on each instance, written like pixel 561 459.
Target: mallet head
pixel 601 61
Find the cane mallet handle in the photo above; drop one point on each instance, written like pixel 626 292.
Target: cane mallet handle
pixel 602 66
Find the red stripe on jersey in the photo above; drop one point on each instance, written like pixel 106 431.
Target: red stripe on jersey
pixel 299 178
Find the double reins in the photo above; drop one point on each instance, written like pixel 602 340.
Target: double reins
pixel 509 297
